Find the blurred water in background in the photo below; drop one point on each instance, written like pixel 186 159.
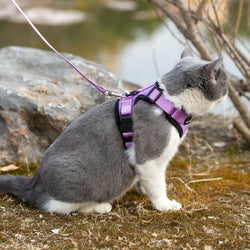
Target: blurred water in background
pixel 124 36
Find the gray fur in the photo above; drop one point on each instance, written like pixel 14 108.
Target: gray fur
pixel 191 72
pixel 186 52
pixel 88 163
pixel 150 143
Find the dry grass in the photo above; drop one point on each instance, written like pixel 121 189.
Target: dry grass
pixel 215 212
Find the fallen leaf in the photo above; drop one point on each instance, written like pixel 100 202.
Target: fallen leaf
pixel 206 247
pixel 8 168
pixel 219 144
pixel 212 217
pixel 146 221
pixel 168 242
pixel 55 231
pixel 155 234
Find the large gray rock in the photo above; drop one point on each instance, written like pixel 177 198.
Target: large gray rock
pixel 40 95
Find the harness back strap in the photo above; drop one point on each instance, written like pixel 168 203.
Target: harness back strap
pixel 154 95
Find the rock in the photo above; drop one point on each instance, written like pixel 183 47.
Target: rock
pixel 40 95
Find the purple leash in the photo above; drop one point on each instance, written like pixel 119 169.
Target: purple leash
pixel 97 86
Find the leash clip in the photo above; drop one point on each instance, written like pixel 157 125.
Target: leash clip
pixel 111 93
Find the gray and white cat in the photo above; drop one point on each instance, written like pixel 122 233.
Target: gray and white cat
pixel 87 167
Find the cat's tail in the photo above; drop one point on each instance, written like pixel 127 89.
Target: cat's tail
pixel 20 186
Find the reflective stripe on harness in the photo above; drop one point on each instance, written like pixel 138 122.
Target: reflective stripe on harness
pixel 154 95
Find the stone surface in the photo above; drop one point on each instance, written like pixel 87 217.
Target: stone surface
pixel 40 95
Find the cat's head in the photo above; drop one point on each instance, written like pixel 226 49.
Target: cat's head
pixel 195 85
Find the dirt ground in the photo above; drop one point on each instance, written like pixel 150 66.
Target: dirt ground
pixel 210 176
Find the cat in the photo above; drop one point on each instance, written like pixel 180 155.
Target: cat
pixel 87 166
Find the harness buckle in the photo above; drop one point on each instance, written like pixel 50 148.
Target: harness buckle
pixel 135 92
pixel 154 94
pixel 111 93
pixel 188 120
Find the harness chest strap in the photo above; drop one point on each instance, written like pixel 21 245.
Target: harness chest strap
pixel 154 95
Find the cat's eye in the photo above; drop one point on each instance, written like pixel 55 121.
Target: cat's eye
pixel 203 81
pixel 190 83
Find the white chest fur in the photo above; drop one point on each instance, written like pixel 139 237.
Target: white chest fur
pixel 151 174
pixel 165 157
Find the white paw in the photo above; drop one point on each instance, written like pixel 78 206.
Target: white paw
pixel 100 208
pixel 168 205
pixel 140 189
pixel 103 208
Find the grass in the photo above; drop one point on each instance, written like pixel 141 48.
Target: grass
pixel 215 212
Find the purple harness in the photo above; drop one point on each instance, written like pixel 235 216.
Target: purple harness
pixel 154 95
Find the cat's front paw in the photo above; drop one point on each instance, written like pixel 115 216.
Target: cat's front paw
pixel 168 205
pixel 140 189
pixel 100 208
pixel 103 208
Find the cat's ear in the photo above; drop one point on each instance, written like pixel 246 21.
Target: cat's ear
pixel 211 67
pixel 186 52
